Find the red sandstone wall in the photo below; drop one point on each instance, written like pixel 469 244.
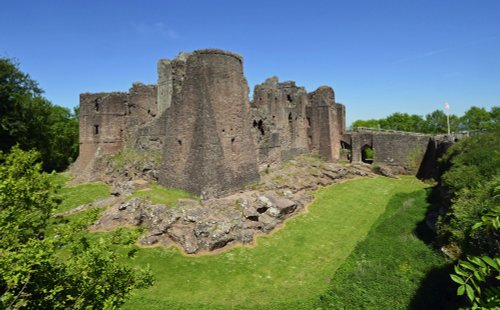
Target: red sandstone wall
pixel 102 120
pixel 209 149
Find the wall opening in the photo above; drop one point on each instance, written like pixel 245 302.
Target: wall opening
pixel 179 142
pixel 289 98
pixel 345 151
pixel 309 122
pixel 96 129
pixel 233 146
pixel 367 154
pixel 96 105
pixel 290 118
pixel 259 125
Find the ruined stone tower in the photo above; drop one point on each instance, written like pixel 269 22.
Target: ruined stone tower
pixel 102 122
pixel 208 148
pixel 325 125
pixel 199 120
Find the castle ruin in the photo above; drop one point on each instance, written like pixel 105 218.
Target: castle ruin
pixel 211 138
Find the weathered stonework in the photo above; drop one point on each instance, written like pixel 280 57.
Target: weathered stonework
pixel 326 123
pixel 213 141
pixel 196 130
pixel 402 149
pixel 102 124
pixel 279 120
pixel 209 148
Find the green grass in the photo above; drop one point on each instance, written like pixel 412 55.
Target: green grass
pixel 393 268
pixel 285 270
pixel 74 196
pixel 158 194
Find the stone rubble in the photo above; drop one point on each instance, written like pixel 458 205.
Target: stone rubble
pixel 207 225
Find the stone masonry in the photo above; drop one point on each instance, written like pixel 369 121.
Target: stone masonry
pixel 211 138
pixel 209 147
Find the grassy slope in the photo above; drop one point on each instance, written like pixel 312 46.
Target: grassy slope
pixel 158 194
pixel 74 196
pixel 288 269
pixel 393 268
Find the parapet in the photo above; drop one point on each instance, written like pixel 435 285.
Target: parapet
pixel 213 51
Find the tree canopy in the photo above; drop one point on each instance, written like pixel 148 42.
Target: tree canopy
pixel 52 265
pixel 436 122
pixel 33 122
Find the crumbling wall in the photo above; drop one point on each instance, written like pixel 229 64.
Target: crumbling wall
pixel 144 131
pixel 209 148
pixel 102 124
pixel 142 104
pixel 393 148
pixel 324 123
pixel 171 73
pixel 279 120
pixel 199 118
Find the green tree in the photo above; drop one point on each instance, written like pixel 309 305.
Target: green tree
pixel 436 122
pixel 494 123
pixel 476 119
pixel 479 276
pixel 30 120
pixel 403 122
pixel 25 198
pixel 56 266
pixel 472 180
pixel 371 123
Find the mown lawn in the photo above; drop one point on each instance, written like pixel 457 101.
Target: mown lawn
pixel 74 196
pixel 286 270
pixel 393 268
pixel 159 194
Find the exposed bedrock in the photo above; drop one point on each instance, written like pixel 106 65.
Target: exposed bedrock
pixel 208 225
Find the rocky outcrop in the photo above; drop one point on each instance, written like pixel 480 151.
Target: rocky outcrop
pixel 208 225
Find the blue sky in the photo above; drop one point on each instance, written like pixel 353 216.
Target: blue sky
pixel 379 56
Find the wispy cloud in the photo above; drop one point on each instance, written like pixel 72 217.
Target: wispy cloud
pixel 423 55
pixel 439 51
pixel 155 29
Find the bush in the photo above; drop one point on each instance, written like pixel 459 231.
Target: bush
pixel 472 180
pixel 52 267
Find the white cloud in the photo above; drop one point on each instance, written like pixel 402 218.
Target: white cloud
pixel 155 29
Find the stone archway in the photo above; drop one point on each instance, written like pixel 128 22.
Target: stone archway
pixel 345 151
pixel 367 155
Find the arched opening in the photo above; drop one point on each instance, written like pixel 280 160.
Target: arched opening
pixel 345 151
pixel 289 98
pixel 367 154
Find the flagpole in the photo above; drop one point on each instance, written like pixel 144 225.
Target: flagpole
pixel 447 108
pixel 448 120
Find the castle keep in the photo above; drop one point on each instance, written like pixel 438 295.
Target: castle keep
pixel 211 138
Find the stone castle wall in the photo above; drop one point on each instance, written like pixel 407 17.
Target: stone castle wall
pixel 393 148
pixel 279 121
pixel 209 147
pixel 212 139
pixel 102 124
